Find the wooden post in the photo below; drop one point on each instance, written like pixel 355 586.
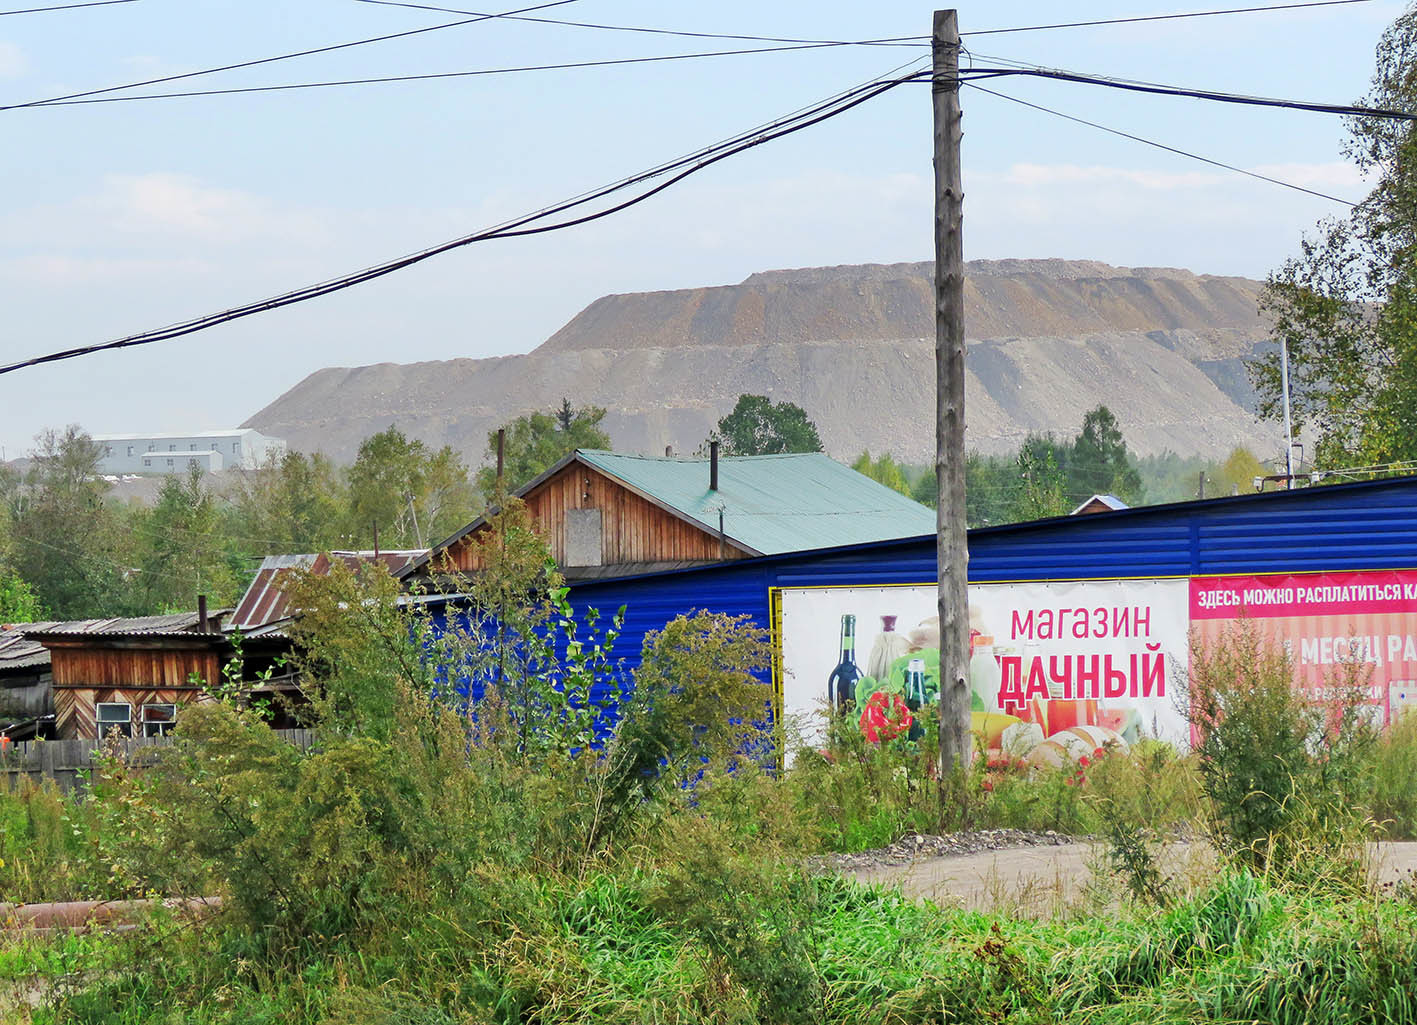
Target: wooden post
pixel 501 455
pixel 951 544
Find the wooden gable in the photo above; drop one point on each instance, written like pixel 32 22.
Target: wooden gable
pixel 590 519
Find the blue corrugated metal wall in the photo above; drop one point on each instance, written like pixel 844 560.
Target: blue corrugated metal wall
pixel 1371 525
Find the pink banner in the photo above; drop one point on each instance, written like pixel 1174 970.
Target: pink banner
pixel 1335 626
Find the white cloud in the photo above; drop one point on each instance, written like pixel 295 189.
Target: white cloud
pixel 59 269
pixel 162 203
pixel 13 62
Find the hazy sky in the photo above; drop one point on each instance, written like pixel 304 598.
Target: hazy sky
pixel 121 217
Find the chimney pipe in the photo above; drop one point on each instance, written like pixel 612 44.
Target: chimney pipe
pixel 713 465
pixel 201 613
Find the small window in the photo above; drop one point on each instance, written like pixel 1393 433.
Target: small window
pixel 169 462
pixel 192 447
pixel 152 447
pixel 213 446
pixel 114 715
pixel 192 464
pixel 172 448
pixel 108 450
pixel 147 462
pixel 236 446
pixel 130 450
pixel 158 719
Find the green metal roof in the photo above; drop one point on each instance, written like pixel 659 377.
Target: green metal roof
pixel 774 504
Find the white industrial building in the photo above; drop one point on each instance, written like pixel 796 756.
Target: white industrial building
pixel 175 453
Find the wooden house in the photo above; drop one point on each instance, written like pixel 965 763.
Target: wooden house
pixel 26 698
pixel 607 515
pixel 129 676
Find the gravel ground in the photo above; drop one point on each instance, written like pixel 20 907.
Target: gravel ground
pixel 913 847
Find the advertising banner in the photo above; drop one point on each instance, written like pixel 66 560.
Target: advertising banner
pixel 1331 624
pixel 1055 667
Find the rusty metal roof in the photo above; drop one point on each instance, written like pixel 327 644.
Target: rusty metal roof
pixel 265 600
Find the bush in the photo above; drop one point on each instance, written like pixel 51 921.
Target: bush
pixel 1395 779
pixel 1285 773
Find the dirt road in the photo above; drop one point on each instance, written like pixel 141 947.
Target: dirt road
pixel 1048 880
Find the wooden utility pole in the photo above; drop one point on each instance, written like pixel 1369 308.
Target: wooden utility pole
pixel 951 543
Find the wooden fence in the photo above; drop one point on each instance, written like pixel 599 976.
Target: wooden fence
pixel 67 762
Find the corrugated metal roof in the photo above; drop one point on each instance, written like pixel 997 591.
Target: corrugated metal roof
pixel 773 504
pixel 176 623
pixel 18 651
pixel 265 600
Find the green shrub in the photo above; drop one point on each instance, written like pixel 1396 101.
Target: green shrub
pixel 1395 779
pixel 1285 773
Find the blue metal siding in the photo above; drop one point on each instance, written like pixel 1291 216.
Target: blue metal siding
pixel 1372 525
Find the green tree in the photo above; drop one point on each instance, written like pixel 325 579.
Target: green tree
pixel 414 495
pixel 184 547
pixel 18 603
pixel 1043 480
pixel 292 503
pixel 1237 474
pixel 1347 304
pixel 537 441
pixel 884 470
pixel 759 427
pixel 1099 463
pixel 66 542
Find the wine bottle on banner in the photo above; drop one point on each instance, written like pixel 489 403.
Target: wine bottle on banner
pixel 915 696
pixel 841 685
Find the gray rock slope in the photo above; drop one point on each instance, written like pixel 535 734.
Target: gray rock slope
pixel 1049 339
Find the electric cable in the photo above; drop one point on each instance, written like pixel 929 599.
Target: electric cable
pixel 280 57
pixel 1162 17
pixel 66 7
pixel 637 28
pixel 441 75
pixel 1131 85
pixel 518 227
pixel 1163 146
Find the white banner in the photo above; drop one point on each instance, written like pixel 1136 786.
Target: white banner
pixel 1054 667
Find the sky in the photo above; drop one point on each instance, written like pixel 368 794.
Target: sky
pixel 122 217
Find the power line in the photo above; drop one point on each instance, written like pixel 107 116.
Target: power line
pixel 446 74
pixel 1162 17
pixel 685 167
pixel 66 7
pixel 1162 146
pixel 281 57
pixel 637 28
pixel 1347 110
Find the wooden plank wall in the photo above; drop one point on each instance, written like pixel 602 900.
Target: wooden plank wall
pixel 150 666
pixel 65 761
pixel 76 714
pixel 633 530
pixel 86 675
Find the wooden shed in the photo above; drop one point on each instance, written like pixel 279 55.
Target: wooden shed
pixel 603 514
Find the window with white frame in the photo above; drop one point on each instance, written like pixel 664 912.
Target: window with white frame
pixel 130 450
pixel 114 715
pixel 236 446
pixel 158 719
pixel 147 462
pixel 169 462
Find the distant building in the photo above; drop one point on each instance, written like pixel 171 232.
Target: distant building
pixel 1099 504
pixel 175 453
